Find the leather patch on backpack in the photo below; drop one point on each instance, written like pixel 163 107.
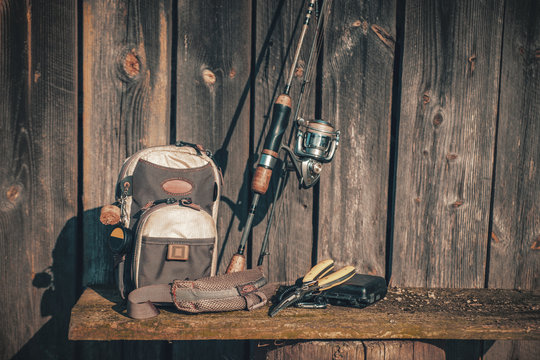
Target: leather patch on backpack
pixel 177 186
pixel 178 252
pixel 245 289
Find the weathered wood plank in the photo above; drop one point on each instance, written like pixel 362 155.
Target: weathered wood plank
pixel 125 350
pixel 449 89
pixel 126 99
pixel 212 109
pixel 214 43
pixel 356 98
pixel 450 79
pixel 405 350
pixel 310 350
pixel 38 176
pixel 278 26
pixel 357 79
pixel 511 349
pixel 515 240
pixel 211 349
pixel 403 314
pixel 363 350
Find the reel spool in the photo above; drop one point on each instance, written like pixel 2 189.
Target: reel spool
pixel 120 240
pixel 316 139
pixel 316 142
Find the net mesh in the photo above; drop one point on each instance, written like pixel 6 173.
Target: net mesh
pixel 234 301
pixel 221 282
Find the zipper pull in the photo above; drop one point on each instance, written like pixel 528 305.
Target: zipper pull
pixel 197 147
pixel 187 202
pixel 123 199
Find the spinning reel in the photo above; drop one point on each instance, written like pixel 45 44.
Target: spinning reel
pixel 315 143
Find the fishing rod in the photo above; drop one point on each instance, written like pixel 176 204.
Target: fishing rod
pixel 316 142
pixel 307 167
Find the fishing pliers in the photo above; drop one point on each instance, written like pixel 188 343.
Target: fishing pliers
pixel 318 279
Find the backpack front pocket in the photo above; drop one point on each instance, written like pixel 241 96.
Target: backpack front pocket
pixel 163 260
pixel 173 242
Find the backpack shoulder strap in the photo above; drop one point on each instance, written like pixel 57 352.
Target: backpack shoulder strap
pixel 140 301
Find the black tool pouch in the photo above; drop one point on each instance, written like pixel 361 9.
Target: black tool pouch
pixel 359 291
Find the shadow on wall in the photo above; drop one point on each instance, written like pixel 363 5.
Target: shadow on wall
pixel 60 283
pixel 61 280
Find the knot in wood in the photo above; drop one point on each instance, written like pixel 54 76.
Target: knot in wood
pixel 384 36
pixel 299 71
pixel 437 120
pixel 132 64
pixel 426 99
pixel 536 244
pixel 363 24
pixel 472 61
pixel 11 197
pixel 209 77
pixel 13 193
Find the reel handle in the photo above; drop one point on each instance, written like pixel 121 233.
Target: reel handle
pixel 272 144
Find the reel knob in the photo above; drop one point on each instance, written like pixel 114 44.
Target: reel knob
pixel 315 167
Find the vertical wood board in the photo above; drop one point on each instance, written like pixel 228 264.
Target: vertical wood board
pixel 353 350
pixel 212 109
pixel 450 82
pixel 212 104
pixel 515 240
pixel 126 99
pixel 125 350
pixel 413 350
pixel 511 349
pixel 368 350
pixel 211 349
pixel 356 98
pixel 38 176
pixel 279 24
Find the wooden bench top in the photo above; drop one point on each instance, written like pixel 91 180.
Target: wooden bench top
pixel 405 313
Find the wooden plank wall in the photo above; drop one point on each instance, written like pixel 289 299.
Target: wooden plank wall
pixel 213 40
pixel 448 114
pixel 277 30
pixel 515 237
pixel 435 183
pixel 38 176
pixel 126 87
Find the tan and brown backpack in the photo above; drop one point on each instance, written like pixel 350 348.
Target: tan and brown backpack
pixel 167 200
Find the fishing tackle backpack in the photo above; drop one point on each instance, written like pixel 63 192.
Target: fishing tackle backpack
pixel 166 209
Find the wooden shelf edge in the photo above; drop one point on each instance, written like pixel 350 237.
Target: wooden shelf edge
pixel 472 314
